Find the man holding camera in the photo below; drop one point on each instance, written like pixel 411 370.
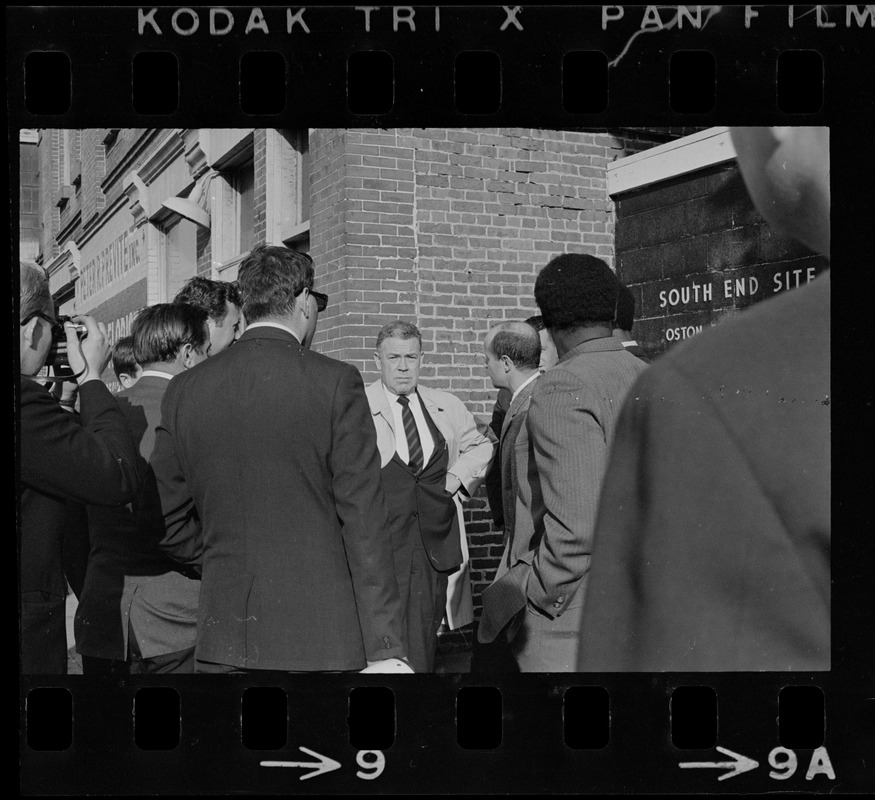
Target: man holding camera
pixel 92 460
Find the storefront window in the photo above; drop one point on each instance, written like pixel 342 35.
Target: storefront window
pixel 243 181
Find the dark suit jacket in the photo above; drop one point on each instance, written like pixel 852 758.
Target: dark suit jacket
pixel 492 482
pixel 129 576
pixel 92 460
pixel 523 519
pixel 713 535
pixel 271 449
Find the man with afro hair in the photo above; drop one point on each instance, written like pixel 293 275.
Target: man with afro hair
pixel 571 424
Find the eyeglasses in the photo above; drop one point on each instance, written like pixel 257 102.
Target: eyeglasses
pixel 53 322
pixel 321 299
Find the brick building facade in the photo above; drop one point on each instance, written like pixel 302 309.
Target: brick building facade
pixel 443 227
pixel 29 206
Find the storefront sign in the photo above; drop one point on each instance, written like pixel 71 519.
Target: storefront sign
pixel 106 265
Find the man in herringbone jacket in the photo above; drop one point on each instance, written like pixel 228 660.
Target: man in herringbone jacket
pixel 571 421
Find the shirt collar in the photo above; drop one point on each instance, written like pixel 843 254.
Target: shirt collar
pixel 601 344
pixel 392 398
pixel 155 373
pixel 272 325
pixel 522 386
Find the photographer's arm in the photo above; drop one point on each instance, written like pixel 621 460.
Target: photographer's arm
pixel 93 460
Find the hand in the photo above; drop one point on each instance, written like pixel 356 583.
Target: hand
pixel 68 392
pixel 453 483
pixel 91 354
pixel 388 665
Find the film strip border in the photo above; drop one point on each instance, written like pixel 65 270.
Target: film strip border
pixel 547 66
pixel 465 65
pixel 455 735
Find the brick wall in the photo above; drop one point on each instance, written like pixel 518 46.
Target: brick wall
pixel 259 207
pixel 50 182
pixel 93 156
pixel 448 228
pixel 29 197
pixel 680 241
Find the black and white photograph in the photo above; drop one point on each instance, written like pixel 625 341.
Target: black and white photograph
pixel 525 421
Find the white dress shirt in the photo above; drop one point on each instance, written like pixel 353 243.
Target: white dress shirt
pixel 425 437
pixel 537 374
pixel 273 325
pixel 155 373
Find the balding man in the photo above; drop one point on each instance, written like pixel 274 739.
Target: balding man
pixel 512 351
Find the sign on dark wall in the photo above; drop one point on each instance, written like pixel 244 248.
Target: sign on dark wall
pixel 694 250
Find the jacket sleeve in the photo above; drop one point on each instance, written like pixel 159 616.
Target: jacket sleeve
pixel 475 449
pixel 493 475
pixel 91 461
pixel 695 567
pixel 570 453
pixel 358 493
pixel 182 540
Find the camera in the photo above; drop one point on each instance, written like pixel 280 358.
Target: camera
pixel 57 357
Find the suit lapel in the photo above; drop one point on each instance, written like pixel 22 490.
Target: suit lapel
pixel 380 405
pixel 515 405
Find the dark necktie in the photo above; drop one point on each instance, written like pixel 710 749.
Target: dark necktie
pixel 414 445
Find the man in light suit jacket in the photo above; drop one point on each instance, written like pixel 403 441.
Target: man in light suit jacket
pixel 431 452
pixel 571 422
pixel 512 351
pixel 267 466
pixel 138 609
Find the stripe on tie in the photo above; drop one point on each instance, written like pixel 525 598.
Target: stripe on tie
pixel 414 445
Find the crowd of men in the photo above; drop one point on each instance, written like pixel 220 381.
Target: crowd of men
pixel 252 506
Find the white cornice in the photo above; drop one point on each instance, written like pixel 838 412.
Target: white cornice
pixel 670 160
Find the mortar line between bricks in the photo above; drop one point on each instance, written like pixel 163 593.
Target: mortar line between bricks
pixel 416 286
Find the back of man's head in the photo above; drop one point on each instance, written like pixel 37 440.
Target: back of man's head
pixel 269 280
pixel 123 361
pixel 159 332
pixel 208 294
pixel 576 290
pixel 33 290
pixel 786 171
pixel 625 318
pixel 519 341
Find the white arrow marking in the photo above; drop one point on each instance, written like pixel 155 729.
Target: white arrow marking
pixel 738 765
pixel 324 764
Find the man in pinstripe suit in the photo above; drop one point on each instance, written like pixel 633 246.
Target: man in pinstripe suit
pixel 512 351
pixel 570 422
